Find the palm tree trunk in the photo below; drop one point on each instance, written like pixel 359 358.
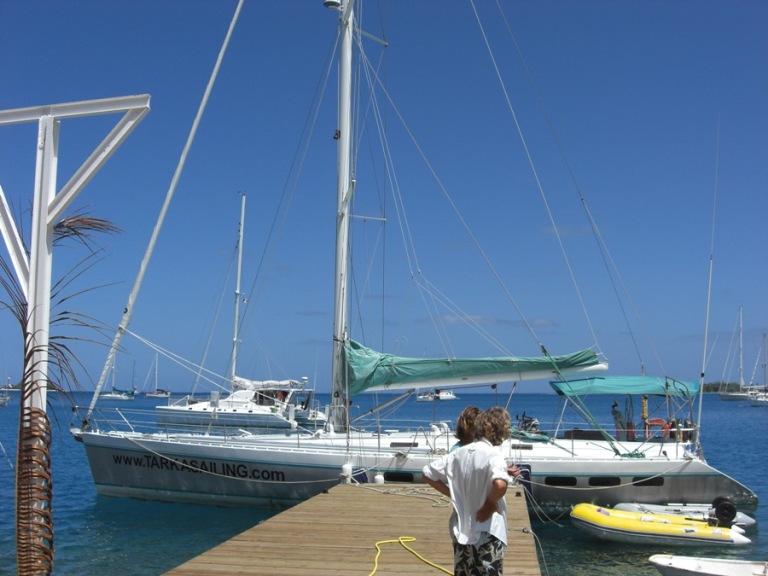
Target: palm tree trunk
pixel 34 521
pixel 34 485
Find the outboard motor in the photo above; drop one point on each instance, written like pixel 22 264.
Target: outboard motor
pixel 724 511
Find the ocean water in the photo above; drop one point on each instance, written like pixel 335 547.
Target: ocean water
pixel 101 536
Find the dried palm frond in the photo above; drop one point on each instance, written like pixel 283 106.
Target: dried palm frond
pixel 81 227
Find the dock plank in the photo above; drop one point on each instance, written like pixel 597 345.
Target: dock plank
pixel 337 533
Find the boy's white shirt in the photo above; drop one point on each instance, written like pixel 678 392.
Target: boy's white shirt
pixel 470 490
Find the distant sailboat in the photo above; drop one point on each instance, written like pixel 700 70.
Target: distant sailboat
pixel 157 392
pixel 760 400
pixel 114 393
pixel 436 395
pixel 744 393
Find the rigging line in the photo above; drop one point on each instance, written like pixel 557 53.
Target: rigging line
pixel 602 246
pixel 201 371
pixel 389 172
pixel 126 318
pixel 373 110
pixel 461 219
pixel 530 159
pixel 213 326
pixel 436 319
pixel 531 163
pixel 278 224
pixel 454 308
pixel 6 456
pixel 610 264
pixel 709 283
pixel 379 238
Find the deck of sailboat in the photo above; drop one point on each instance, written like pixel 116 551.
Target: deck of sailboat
pixel 338 532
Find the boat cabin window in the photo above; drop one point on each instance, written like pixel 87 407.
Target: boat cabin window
pixel 560 481
pixel 648 481
pixel 604 481
pixel 266 397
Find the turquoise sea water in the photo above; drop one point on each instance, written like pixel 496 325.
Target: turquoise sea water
pixel 103 536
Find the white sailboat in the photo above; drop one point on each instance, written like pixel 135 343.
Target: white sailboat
pixel 431 396
pixel 744 393
pixel 157 392
pixel 760 399
pixel 261 404
pixel 282 469
pixel 114 393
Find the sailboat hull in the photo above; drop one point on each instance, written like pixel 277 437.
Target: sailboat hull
pixel 280 470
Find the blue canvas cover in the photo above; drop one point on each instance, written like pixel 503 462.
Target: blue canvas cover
pixel 639 385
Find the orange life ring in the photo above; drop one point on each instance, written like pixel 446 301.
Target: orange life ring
pixel 652 422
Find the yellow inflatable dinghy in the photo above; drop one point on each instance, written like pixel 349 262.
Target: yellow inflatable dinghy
pixel 661 529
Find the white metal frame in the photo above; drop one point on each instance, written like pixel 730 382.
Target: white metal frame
pixel 34 271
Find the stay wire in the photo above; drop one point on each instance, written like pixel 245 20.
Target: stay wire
pixel 608 261
pixel 534 171
pixel 414 266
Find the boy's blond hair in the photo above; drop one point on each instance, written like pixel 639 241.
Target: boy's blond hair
pixel 494 425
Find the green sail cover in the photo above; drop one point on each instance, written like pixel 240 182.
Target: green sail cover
pixel 371 370
pixel 648 385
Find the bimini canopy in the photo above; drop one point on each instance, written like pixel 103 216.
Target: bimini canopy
pixel 245 384
pixel 640 385
pixel 371 370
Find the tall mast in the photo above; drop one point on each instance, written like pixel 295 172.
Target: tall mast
pixel 765 363
pixel 741 351
pixel 344 191
pixel 237 288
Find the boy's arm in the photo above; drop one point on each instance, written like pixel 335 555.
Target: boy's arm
pixel 438 485
pixel 498 489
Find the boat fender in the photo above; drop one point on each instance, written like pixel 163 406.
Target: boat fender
pixel 346 473
pixel 686 432
pixel 379 478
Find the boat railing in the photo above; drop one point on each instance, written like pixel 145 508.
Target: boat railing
pixel 121 418
pixel 145 421
pixel 655 430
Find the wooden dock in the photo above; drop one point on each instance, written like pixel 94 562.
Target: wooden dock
pixel 356 530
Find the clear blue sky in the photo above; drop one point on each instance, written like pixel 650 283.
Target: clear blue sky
pixel 633 92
